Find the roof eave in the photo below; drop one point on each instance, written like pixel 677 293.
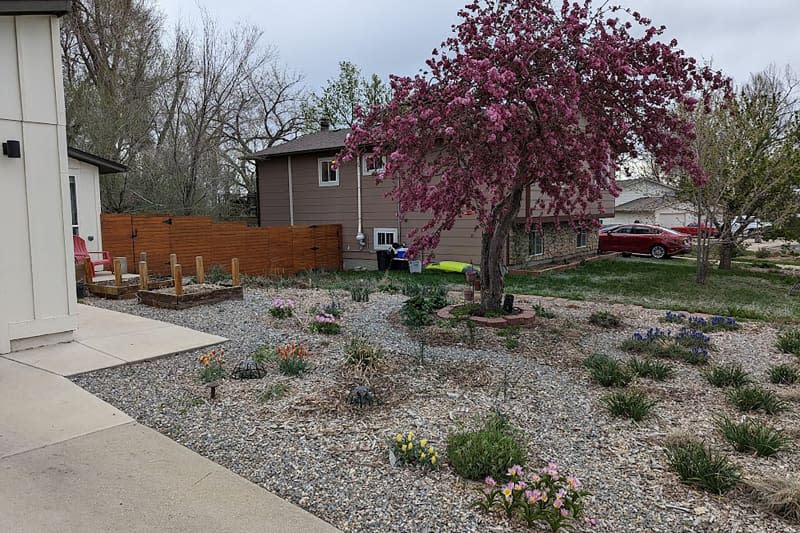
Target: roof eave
pixel 34 7
pixel 104 166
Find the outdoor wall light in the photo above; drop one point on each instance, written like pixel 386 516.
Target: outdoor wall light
pixel 11 149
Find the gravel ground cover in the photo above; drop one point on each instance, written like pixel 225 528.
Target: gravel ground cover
pixel 313 448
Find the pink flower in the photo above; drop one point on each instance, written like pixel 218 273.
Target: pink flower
pixel 573 482
pixel 490 481
pixel 565 512
pixel 515 471
pixel 534 495
pixel 590 521
pixel 557 503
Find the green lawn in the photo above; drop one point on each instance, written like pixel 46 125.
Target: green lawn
pixel 665 284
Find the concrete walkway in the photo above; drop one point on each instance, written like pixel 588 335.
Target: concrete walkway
pixel 70 462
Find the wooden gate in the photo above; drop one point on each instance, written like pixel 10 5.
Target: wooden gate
pixel 261 251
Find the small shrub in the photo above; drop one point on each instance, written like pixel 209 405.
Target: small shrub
pixel 545 496
pixel 784 374
pixel 325 324
pixel 282 308
pixel 292 359
pixel 608 372
pixel 648 368
pixel 789 341
pixel 698 465
pixel 361 353
pixel 416 312
pixel 543 312
pixel 360 293
pixel 216 274
pixel 629 404
pixel 778 495
pixel 727 376
pixel 754 398
pixel 605 319
pixel 213 365
pixel 408 449
pixel 275 391
pixel 488 451
pixel 753 437
pixel 436 295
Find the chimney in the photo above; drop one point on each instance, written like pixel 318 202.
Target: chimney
pixel 324 124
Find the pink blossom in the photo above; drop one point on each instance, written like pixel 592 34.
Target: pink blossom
pixel 490 481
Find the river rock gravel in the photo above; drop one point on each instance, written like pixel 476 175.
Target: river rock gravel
pixel 313 448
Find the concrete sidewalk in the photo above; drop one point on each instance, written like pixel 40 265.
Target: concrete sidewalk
pixel 70 462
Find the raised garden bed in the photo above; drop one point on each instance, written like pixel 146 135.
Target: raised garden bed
pixel 521 317
pixel 193 295
pixel 126 290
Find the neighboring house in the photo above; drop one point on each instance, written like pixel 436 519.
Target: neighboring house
pixel 85 170
pixel 37 278
pixel 297 184
pixel 650 202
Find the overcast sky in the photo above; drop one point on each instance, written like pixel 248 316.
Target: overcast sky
pixel 397 36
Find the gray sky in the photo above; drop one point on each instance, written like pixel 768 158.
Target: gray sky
pixel 396 37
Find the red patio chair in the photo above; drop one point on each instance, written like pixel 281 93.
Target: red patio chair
pixel 81 254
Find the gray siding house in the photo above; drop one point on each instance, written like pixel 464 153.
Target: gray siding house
pixel 297 185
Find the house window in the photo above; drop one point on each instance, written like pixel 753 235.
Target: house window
pixel 73 203
pixel 580 238
pixel 372 164
pixel 536 243
pixel 328 175
pixel 384 238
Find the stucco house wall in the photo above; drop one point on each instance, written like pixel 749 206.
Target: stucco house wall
pixel 37 279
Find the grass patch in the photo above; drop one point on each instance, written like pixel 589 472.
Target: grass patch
pixel 780 496
pixel 698 465
pixel 649 368
pixel 488 451
pixel 784 374
pixel 756 398
pixel 629 404
pixel 727 376
pixel 789 341
pixel 543 312
pixel 752 436
pixel 605 319
pixel 607 372
pixel 361 353
pixel 275 391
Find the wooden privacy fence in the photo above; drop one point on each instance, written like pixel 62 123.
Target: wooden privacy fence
pixel 261 251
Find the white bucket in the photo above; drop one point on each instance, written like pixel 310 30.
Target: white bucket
pixel 415 267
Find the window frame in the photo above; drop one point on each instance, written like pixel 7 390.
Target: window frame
pixel 73 204
pixel 328 183
pixel 367 172
pixel 581 233
pixel 532 243
pixel 376 231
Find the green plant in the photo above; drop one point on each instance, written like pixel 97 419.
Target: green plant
pixel 543 312
pixel 753 436
pixel 409 449
pixel 784 374
pixel 333 308
pixel 470 325
pixel 325 324
pixel 649 368
pixel 216 274
pixel 597 359
pixel 545 496
pixel 212 365
pixel 605 319
pixel 292 359
pixel 628 404
pixel 361 353
pixel 275 391
pixel 360 293
pixel 488 451
pixel 762 253
pixel 264 354
pixel 416 312
pixel 698 465
pixel 511 343
pixel 609 372
pixel 727 376
pixel 789 341
pixel 754 398
pixel 282 308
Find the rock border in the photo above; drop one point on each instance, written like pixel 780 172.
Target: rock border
pixel 525 317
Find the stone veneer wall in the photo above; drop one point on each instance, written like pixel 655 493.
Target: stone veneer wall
pixel 559 245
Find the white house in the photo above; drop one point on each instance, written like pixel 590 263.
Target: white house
pixel 650 202
pixel 37 278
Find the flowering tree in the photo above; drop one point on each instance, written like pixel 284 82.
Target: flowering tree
pixel 527 95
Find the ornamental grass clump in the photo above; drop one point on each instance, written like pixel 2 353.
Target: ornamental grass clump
pixel 360 353
pixel 755 398
pixel 281 308
pixel 605 319
pixel 752 436
pixel 212 363
pixel 698 465
pixel 325 324
pixel 784 374
pixel 488 451
pixel 292 359
pixel 607 372
pixel 727 376
pixel 629 404
pixel 408 449
pixel 780 496
pixel 652 369
pixel 545 497
pixel 789 341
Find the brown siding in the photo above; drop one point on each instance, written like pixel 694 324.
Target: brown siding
pixel 273 189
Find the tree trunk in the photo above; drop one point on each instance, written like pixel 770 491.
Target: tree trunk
pixel 493 242
pixel 726 248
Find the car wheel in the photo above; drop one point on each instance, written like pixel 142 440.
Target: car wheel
pixel 658 252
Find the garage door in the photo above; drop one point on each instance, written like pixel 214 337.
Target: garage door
pixel 668 220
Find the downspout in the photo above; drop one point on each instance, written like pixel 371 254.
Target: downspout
pixel 360 234
pixel 291 194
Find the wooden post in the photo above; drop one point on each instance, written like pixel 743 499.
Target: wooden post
pixel 117 272
pixel 173 260
pixel 88 269
pixel 235 272
pixel 143 257
pixel 178 274
pixel 143 281
pixel 201 273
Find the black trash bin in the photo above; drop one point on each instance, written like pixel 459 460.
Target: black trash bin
pixel 385 259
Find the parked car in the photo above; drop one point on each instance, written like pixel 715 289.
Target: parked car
pixel 754 227
pixel 644 239
pixel 692 229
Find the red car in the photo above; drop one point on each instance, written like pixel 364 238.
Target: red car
pixel 691 229
pixel 644 239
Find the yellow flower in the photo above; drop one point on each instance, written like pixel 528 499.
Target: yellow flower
pixel 430 450
pixel 422 455
pixel 433 460
pixel 399 437
pixel 423 442
pixel 410 435
pixel 410 445
pixel 404 447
